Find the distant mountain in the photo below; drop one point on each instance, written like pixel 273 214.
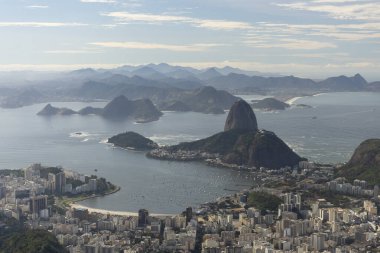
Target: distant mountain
pixel 90 110
pixel 210 73
pixel 364 163
pixel 240 144
pixel 344 83
pixel 22 98
pixel 50 110
pixel 163 83
pixel 121 107
pixel 269 104
pixel 375 86
pixel 209 100
pixel 176 106
pixel 142 110
pixel 240 81
pixel 148 73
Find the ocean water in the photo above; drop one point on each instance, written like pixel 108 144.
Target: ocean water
pixel 327 132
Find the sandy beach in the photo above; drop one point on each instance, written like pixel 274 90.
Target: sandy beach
pixel 292 100
pixel 119 213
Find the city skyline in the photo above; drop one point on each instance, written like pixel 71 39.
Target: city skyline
pixel 316 38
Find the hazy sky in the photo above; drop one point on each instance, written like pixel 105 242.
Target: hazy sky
pixel 315 38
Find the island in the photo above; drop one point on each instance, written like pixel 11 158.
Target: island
pixel 120 108
pixel 132 140
pixel 49 110
pixel 269 104
pixel 241 144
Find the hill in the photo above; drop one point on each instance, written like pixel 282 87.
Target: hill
pixel 270 104
pixel 50 110
pixel 132 140
pixel 364 163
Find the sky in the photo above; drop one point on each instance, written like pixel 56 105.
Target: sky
pixel 314 38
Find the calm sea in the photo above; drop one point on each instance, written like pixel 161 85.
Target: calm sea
pixel 327 132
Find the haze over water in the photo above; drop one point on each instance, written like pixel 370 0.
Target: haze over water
pixel 328 132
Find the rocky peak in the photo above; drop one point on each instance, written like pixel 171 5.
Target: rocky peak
pixel 242 117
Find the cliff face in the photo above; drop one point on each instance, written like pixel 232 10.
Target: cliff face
pixel 242 117
pixel 364 163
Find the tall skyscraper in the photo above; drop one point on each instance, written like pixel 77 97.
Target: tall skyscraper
pixel 143 217
pixel 60 183
pixel 37 203
pixel 189 214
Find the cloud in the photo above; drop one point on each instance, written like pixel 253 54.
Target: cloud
pixel 99 1
pixel 39 24
pixel 84 51
pixel 150 46
pixel 214 24
pixel 37 6
pixel 292 44
pixel 342 10
pixel 343 32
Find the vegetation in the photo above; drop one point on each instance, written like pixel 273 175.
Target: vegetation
pixel 17 173
pixel 14 238
pixel 36 241
pixel 364 164
pixel 74 182
pixel 132 140
pixel 333 198
pixel 44 171
pixel 242 147
pixel 270 104
pixel 263 201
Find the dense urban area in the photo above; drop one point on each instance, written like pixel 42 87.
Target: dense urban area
pixel 299 209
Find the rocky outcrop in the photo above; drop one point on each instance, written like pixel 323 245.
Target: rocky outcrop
pixel 242 117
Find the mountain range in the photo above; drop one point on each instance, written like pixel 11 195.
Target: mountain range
pixel 167 85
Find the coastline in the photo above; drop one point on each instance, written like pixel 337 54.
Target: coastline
pixel 117 213
pixel 74 204
pixel 291 101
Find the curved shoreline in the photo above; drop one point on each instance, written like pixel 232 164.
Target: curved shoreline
pixel 118 213
pixel 74 204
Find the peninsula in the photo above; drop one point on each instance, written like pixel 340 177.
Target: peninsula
pixel 241 144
